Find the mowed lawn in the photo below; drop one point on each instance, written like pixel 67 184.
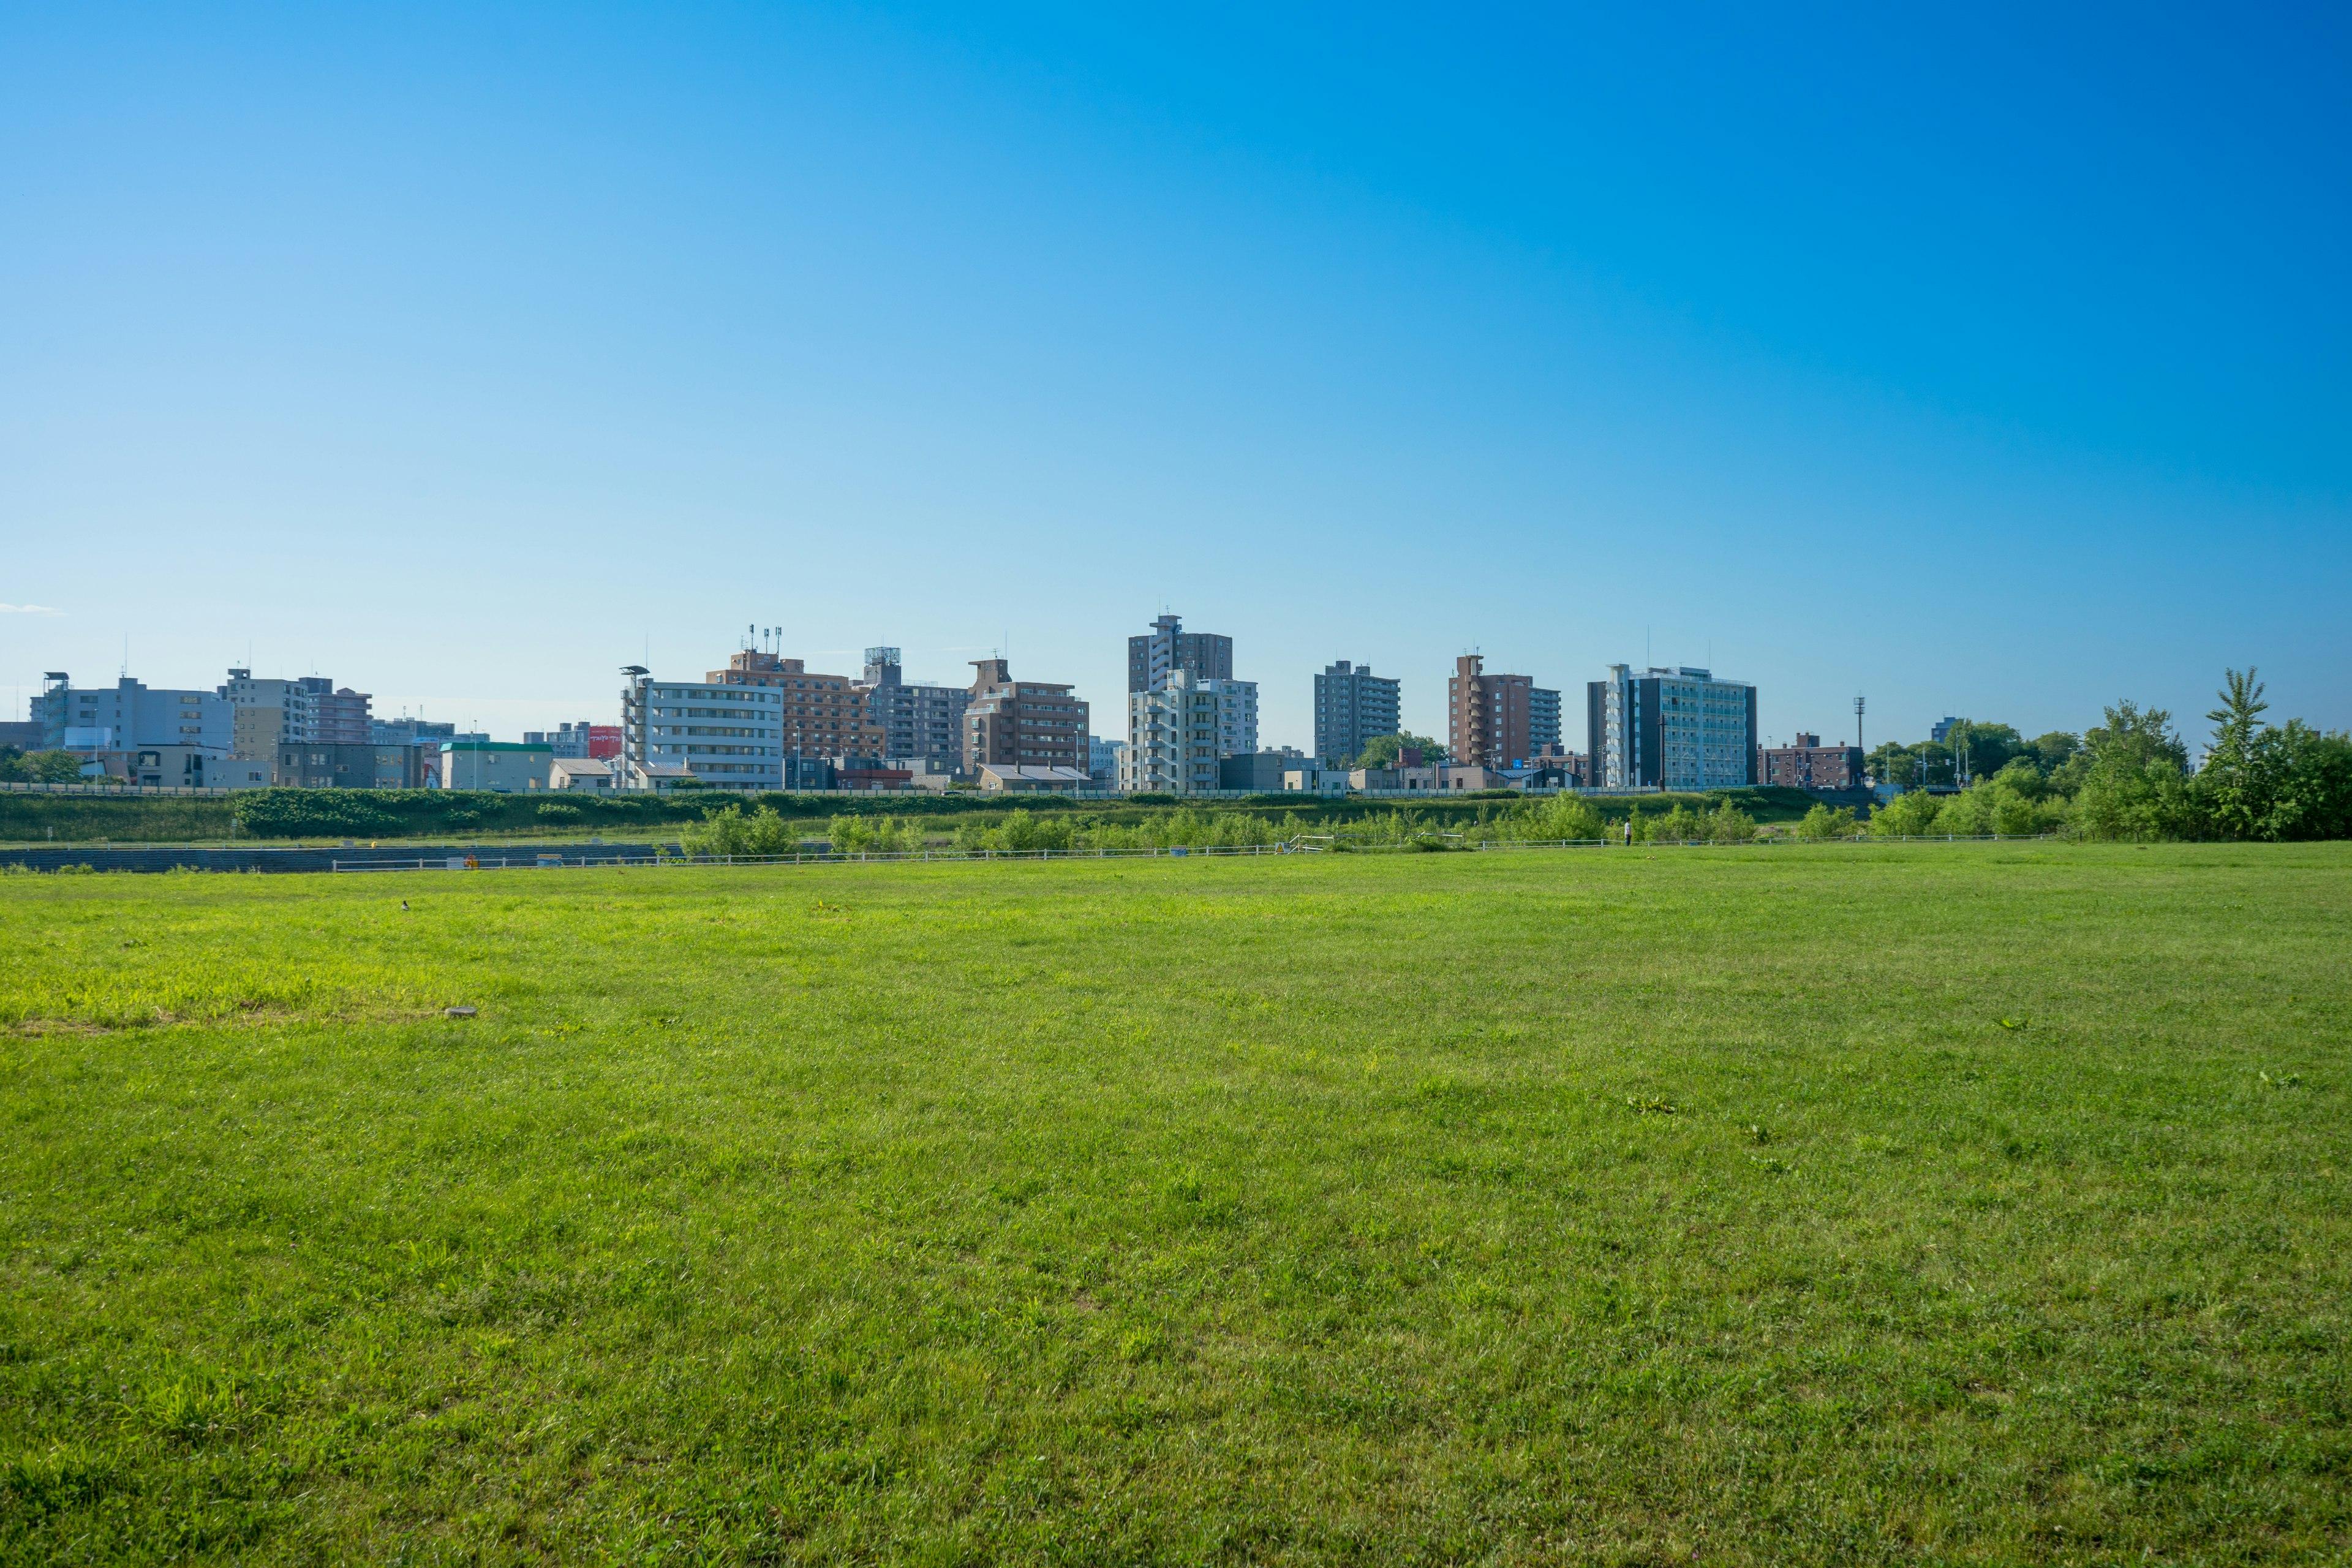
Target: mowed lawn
pixel 1837 1205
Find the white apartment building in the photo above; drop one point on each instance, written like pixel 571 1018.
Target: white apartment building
pixel 1679 729
pixel 729 736
pixel 1179 730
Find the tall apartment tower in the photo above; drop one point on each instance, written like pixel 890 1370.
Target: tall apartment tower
pixel 1022 723
pixel 1679 729
pixel 1181 730
pixel 1498 721
pixel 306 710
pixel 1167 647
pixel 918 722
pixel 1353 706
pixel 820 714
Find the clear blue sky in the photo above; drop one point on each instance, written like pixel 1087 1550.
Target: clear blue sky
pixel 1988 362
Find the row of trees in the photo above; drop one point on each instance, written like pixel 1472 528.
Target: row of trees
pixel 2130 777
pixel 19 767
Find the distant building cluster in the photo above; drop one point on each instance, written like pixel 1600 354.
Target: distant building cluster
pixel 766 721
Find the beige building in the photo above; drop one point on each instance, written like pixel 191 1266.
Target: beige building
pixel 308 710
pixel 578 773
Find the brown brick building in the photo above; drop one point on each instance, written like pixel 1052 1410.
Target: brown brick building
pixel 1808 765
pixel 1018 724
pixel 1487 717
pixel 823 715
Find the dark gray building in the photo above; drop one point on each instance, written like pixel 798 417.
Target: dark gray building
pixel 1680 728
pixel 918 722
pixel 344 764
pixel 1259 770
pixel 1353 706
pixel 1167 647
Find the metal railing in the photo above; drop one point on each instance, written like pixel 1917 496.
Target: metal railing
pixel 117 787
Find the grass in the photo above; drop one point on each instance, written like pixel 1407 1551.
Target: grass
pixel 1851 1205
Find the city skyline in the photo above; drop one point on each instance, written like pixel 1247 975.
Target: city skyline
pixel 1988 364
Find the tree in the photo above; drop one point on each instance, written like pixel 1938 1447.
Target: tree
pixel 44 767
pixel 1380 751
pixel 2312 789
pixel 2051 752
pixel 1985 748
pixel 1894 764
pixel 1908 815
pixel 2235 787
pixel 2134 773
pixel 1822 822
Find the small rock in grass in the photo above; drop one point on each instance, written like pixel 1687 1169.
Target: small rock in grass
pixel 459 1012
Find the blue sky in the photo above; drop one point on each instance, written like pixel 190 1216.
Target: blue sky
pixel 1988 362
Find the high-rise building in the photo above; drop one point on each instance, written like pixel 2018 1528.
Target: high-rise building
pixel 1679 729
pixel 303 710
pixel 1497 721
pixel 918 722
pixel 1167 647
pixel 128 715
pixel 731 734
pixel 1180 731
pixel 1022 723
pixel 1353 706
pixel 822 715
pixel 1543 720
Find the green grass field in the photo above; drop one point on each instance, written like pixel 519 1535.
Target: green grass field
pixel 1978 1203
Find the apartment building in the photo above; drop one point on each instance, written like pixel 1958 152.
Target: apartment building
pixel 1807 765
pixel 918 722
pixel 342 765
pixel 1167 647
pixel 820 715
pixel 1490 719
pixel 1022 723
pixel 1180 731
pixel 1681 728
pixel 1353 706
pixel 731 734
pixel 304 709
pixel 129 716
pixel 1543 724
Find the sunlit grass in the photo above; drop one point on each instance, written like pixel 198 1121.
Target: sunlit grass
pixel 1858 1203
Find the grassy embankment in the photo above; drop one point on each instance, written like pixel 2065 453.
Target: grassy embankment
pixel 434 817
pixel 1856 1204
